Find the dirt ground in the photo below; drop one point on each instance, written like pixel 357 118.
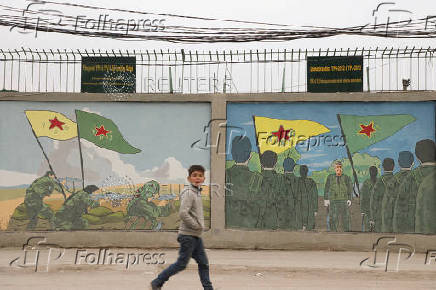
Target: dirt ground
pixel 230 269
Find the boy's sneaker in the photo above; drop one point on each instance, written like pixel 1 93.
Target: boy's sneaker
pixel 153 287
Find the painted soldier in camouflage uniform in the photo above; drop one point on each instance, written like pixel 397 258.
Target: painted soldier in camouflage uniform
pixel 35 193
pixel 140 207
pixel 69 217
pixel 337 195
pixel 405 205
pixel 287 199
pixel 383 198
pixel 365 198
pixel 241 184
pixel 425 214
pixel 388 187
pixel 270 188
pixel 308 193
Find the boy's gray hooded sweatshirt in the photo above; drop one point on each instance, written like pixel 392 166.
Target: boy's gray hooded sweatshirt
pixel 191 212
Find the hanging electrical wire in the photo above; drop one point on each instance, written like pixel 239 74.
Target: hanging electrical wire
pixel 49 19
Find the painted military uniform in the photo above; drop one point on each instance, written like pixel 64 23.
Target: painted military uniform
pixel 425 214
pixel 40 188
pixel 405 205
pixel 389 185
pixel 69 217
pixel 140 207
pixel 365 202
pixel 338 189
pixel 267 200
pixel 308 194
pixel 241 185
pixel 287 201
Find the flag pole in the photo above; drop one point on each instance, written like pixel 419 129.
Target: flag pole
pixel 80 151
pixel 356 181
pixel 46 157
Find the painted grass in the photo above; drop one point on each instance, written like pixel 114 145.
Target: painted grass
pixel 7 208
pixel 12 193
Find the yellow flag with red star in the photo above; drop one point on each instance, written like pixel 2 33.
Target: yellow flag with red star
pixel 51 124
pixel 280 135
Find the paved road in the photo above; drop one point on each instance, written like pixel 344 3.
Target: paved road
pixel 230 269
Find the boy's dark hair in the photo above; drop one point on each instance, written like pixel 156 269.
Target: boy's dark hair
pixel 196 168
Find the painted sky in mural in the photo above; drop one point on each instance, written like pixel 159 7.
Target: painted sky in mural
pixel 318 157
pixel 165 143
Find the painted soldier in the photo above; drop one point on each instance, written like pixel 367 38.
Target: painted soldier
pixel 270 188
pixel 337 196
pixel 425 214
pixel 287 199
pixel 405 205
pixel 141 207
pixel 308 193
pixel 69 217
pixel 365 198
pixel 241 184
pixel 35 193
pixel 384 197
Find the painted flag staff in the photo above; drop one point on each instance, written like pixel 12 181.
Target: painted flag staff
pixel 52 125
pixel 360 132
pixel 356 180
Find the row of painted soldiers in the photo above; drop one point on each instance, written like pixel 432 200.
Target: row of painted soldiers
pixel 268 200
pixel 404 202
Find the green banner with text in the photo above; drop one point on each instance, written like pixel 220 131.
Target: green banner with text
pixel 331 74
pixel 109 75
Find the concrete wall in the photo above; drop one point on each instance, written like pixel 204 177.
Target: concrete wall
pixel 218 236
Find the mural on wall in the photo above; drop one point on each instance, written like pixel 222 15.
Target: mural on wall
pixel 94 166
pixel 331 166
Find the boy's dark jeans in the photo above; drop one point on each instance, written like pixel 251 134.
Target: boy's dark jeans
pixel 190 246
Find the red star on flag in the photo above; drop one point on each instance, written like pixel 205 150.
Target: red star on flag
pixel 56 123
pixel 367 129
pixel 101 131
pixel 282 133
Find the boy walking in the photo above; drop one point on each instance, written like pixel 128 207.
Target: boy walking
pixel 191 227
